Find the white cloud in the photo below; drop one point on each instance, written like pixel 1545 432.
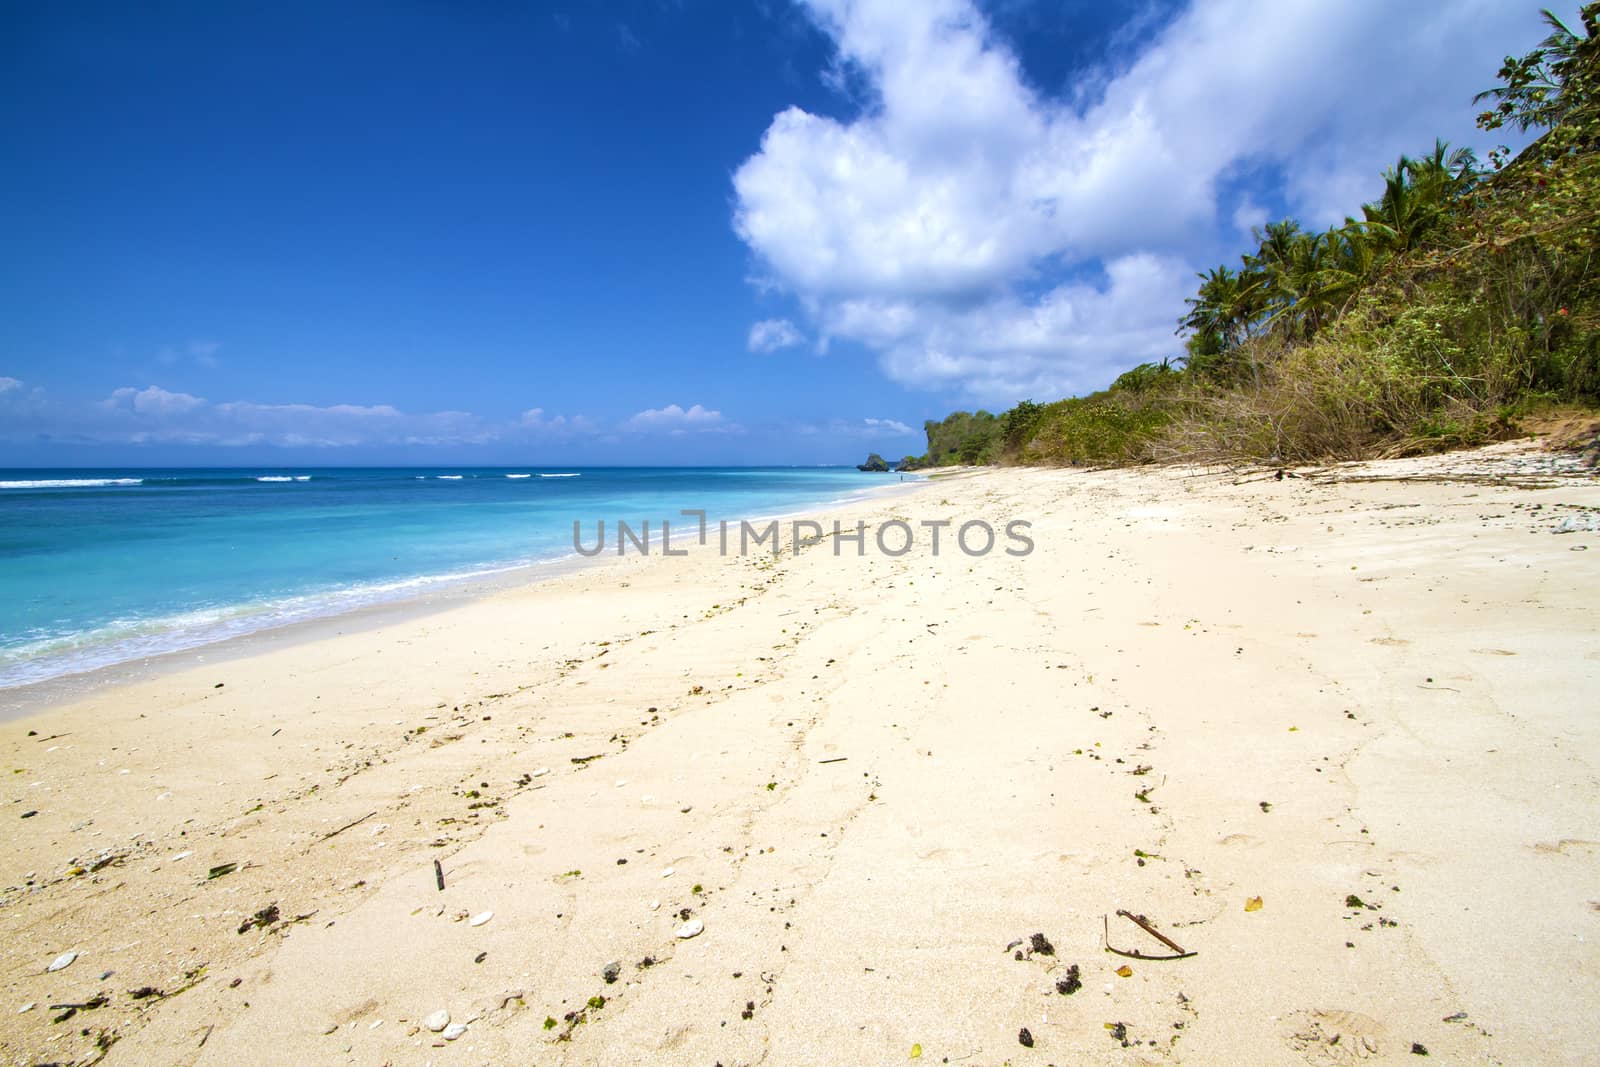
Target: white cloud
pixel 1249 216
pixel 860 429
pixel 152 400
pixel 677 420
pixel 157 414
pixel 937 226
pixel 890 427
pixel 535 420
pixel 769 335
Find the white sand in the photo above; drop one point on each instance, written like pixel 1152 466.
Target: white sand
pixel 1404 672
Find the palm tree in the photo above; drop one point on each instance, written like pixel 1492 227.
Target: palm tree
pixel 1348 262
pixel 1533 89
pixel 1224 313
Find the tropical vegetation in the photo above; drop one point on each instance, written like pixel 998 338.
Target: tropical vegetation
pixel 1461 299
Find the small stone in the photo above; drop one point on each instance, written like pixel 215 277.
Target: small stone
pixel 480 918
pixel 454 1030
pixel 436 1021
pixel 669 872
pixel 26 1008
pixel 62 962
pixel 1024 1038
pixel 692 928
pixel 654 904
pixel 541 772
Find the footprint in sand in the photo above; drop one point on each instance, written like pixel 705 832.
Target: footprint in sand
pixel 1565 845
pixel 1334 1037
pixel 1246 840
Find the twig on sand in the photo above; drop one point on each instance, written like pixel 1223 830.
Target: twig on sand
pixel 836 759
pixel 207 1035
pixel 1180 953
pixel 438 874
pixel 346 826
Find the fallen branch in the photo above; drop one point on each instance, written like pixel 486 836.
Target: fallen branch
pixel 1180 953
pixel 346 826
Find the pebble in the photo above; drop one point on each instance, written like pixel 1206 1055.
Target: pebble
pixel 437 1021
pixel 669 872
pixel 654 904
pixel 541 772
pixel 181 856
pixel 480 918
pixel 26 1008
pixel 454 1030
pixel 690 929
pixel 611 971
pixel 62 962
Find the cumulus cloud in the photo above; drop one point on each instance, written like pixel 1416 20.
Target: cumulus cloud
pixel 978 234
pixel 678 420
pixel 152 400
pixel 769 335
pixel 8 384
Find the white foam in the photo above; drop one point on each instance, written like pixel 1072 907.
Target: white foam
pixel 448 477
pixel 558 475
pixel 125 639
pixel 518 476
pixel 284 478
pixel 70 483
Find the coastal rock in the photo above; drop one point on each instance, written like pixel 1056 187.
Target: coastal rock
pixel 436 1021
pixel 692 928
pixel 62 962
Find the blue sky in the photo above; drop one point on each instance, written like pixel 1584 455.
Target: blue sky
pixel 652 232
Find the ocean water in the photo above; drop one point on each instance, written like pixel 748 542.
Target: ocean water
pixel 105 566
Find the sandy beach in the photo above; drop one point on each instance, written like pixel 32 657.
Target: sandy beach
pixel 1333 734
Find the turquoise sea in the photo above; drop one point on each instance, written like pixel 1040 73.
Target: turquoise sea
pixel 99 567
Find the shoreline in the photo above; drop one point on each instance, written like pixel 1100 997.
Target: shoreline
pixel 865 778
pixel 433 593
